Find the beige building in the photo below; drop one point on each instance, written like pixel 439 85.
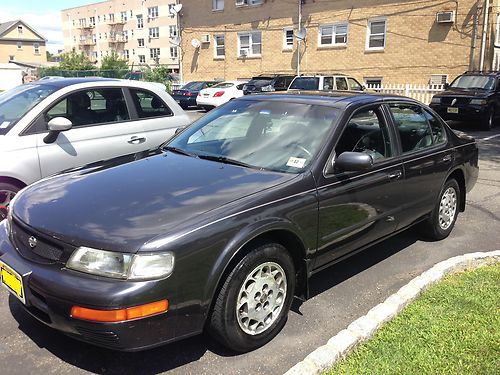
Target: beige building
pixel 140 31
pixel 21 43
pixel 389 41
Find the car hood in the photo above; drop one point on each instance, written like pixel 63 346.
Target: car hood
pixel 121 206
pixel 463 93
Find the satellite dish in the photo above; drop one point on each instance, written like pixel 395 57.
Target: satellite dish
pixel 176 40
pixel 195 43
pixel 177 8
pixel 301 34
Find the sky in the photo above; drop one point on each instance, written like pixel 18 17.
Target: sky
pixel 43 15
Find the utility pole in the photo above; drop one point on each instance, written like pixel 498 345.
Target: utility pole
pixel 472 63
pixel 485 32
pixel 299 40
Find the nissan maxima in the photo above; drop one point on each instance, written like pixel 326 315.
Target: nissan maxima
pixel 222 226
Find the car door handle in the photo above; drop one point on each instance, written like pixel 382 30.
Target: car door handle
pixel 446 158
pixel 136 140
pixel 395 175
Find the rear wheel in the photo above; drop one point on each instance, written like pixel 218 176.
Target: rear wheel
pixel 445 213
pixel 7 192
pixel 253 304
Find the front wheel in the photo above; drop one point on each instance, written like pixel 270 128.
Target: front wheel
pixel 253 303
pixel 444 215
pixel 7 192
pixel 489 119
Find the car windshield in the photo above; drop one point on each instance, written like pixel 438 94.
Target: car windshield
pixel 16 102
pixel 193 86
pixel 260 82
pixel 474 82
pixel 305 83
pixel 223 85
pixel 266 134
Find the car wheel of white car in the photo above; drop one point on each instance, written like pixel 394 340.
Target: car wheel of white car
pixel 253 303
pixel 7 192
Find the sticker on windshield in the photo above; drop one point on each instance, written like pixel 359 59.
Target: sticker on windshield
pixel 296 162
pixel 4 124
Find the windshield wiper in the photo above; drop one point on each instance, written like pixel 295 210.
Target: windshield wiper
pixel 225 160
pixel 179 151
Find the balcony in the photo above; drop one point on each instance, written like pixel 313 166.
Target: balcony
pixel 86 27
pixel 116 22
pixel 86 42
pixel 117 39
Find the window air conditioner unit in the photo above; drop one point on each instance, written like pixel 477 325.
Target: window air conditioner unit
pixel 241 2
pixel 205 38
pixel 445 17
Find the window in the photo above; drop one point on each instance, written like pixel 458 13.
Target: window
pixel 19 29
pixel 219 45
pixel 332 35
pixel 341 83
pixel 142 59
pixel 154 53
pixel 353 84
pixel 140 42
pixel 375 38
pixel 372 82
pixel 413 127
pixel 153 12
pixel 36 47
pixel 123 16
pixel 140 21
pixel 217 4
pixel 328 83
pixel 172 29
pixel 173 52
pixel 125 35
pixel 250 44
pixel 91 107
pixel 94 38
pixel 248 2
pixel 82 22
pixel 131 14
pixel 149 105
pixel 126 54
pixel 287 38
pixel 19 45
pixel 366 132
pixel 104 18
pixel 154 32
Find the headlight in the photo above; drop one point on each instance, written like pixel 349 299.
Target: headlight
pixel 122 266
pixel 435 100
pixel 478 101
pixel 267 88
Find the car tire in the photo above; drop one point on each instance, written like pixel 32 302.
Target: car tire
pixel 489 119
pixel 7 192
pixel 443 217
pixel 253 303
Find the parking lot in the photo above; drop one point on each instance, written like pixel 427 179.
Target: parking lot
pixel 339 295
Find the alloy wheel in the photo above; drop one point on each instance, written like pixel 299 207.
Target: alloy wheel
pixel 447 208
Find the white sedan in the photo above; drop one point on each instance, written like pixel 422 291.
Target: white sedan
pixel 219 94
pixel 56 124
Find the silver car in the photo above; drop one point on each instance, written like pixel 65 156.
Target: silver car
pixel 52 125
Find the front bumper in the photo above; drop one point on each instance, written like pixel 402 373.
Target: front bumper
pixel 469 112
pixel 51 291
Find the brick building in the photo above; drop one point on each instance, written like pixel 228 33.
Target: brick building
pixel 21 43
pixel 141 31
pixel 389 41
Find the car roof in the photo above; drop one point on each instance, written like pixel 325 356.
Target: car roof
pixel 64 82
pixel 484 73
pixel 322 75
pixel 339 99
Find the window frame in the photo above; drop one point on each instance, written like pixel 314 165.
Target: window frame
pixel 215 8
pixel 286 45
pixel 156 55
pixel 334 34
pixel 369 34
pixel 134 104
pixel 174 55
pixel 36 48
pixel 217 46
pixel 140 21
pixel 154 32
pixel 250 34
pixel 153 12
pixel 140 43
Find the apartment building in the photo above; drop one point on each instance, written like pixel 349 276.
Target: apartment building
pixel 376 41
pixel 19 42
pixel 141 31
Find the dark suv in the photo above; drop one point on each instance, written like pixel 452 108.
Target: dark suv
pixel 268 82
pixel 471 96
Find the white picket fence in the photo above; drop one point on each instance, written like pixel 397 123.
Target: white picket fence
pixel 422 93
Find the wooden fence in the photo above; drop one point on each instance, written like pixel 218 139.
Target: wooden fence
pixel 422 93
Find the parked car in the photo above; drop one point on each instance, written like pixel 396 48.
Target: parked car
pixel 267 83
pixel 186 95
pixel 51 125
pixel 224 224
pixel 219 94
pixel 325 82
pixel 471 96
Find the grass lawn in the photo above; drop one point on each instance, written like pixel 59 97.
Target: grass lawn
pixel 453 328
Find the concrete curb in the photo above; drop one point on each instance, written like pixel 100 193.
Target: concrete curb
pixel 363 328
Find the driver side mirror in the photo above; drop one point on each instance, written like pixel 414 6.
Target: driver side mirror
pixel 353 162
pixel 55 126
pixel 446 86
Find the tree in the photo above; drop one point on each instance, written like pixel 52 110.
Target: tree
pixel 158 74
pixel 75 61
pixel 114 62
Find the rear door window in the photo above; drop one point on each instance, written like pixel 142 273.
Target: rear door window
pixel 305 83
pixel 328 83
pixel 341 83
pixel 149 104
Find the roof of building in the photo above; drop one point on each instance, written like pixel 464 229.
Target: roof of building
pixel 7 26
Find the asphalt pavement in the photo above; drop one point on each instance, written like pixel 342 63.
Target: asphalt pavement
pixel 340 294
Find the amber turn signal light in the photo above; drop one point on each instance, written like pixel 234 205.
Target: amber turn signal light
pixel 120 315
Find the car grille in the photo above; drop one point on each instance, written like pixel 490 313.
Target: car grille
pixel 46 251
pixel 104 338
pixel 459 101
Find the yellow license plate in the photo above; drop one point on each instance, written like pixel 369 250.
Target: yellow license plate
pixel 452 110
pixel 12 281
